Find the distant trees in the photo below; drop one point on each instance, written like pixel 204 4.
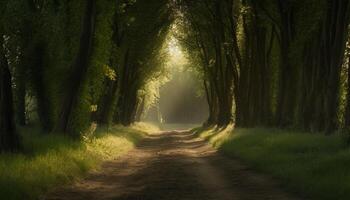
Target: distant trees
pixel 142 41
pixel 209 42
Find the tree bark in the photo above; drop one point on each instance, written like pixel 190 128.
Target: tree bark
pixel 9 138
pixel 80 67
pixel 336 28
pixel 21 98
pixel 40 89
pixel 347 109
pixel 107 104
pixel 287 89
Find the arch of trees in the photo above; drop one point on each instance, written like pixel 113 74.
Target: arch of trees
pixel 280 63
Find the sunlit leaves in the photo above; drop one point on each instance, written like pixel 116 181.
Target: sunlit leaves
pixel 245 10
pixel 93 108
pixel 212 62
pixel 110 73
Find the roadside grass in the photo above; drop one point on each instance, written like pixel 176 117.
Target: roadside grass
pixel 312 165
pixel 51 160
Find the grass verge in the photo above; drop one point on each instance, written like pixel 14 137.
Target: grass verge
pixel 315 166
pixel 51 160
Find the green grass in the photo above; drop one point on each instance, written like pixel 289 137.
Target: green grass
pixel 315 166
pixel 52 160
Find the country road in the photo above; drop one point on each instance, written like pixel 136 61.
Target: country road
pixel 173 166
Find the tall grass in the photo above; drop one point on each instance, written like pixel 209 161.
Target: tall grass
pixel 313 165
pixel 51 160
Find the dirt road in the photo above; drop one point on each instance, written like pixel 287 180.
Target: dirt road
pixel 173 166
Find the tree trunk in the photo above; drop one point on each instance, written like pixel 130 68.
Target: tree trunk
pixel 106 107
pixel 287 89
pixel 9 138
pixel 242 105
pixel 140 110
pixel 347 111
pixel 21 98
pixel 80 67
pixel 40 89
pixel 336 28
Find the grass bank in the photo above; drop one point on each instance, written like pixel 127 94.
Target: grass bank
pixel 51 160
pixel 315 166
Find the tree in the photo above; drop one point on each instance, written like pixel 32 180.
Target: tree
pixel 79 69
pixel 9 138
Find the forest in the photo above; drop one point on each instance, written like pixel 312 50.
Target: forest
pixel 70 68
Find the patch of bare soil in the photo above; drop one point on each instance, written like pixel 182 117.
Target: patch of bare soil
pixel 173 166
